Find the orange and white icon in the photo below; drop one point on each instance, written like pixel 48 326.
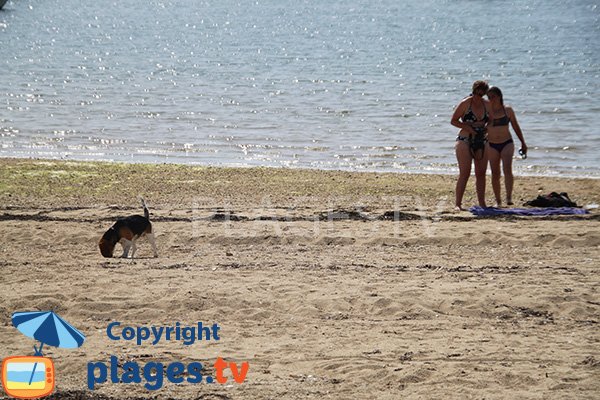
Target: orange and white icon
pixel 28 377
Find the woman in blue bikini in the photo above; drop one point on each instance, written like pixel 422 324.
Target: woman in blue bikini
pixel 471 116
pixel 501 144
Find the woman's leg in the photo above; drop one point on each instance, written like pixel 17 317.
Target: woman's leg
pixel 494 158
pixel 507 156
pixel 463 155
pixel 480 168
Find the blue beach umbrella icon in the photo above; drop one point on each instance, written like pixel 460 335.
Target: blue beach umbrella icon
pixel 48 328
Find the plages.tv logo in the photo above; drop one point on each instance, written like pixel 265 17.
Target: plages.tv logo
pixel 154 374
pixel 32 377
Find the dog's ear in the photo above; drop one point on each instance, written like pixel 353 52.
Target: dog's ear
pixel 111 236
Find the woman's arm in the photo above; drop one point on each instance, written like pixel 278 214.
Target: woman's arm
pixel 516 127
pixel 458 113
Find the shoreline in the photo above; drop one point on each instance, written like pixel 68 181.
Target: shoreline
pixel 241 166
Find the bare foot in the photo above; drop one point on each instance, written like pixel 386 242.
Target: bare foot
pixel 458 208
pixel 509 202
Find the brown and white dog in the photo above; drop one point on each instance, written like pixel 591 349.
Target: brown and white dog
pixel 126 231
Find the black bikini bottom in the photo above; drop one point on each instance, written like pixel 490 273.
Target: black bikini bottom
pixel 500 146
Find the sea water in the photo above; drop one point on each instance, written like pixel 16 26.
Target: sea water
pixel 353 85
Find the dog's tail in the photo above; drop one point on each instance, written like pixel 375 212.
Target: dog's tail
pixel 146 212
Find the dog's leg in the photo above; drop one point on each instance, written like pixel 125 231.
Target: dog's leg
pixel 153 243
pixel 126 245
pixel 133 248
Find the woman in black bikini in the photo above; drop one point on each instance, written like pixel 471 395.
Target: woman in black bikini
pixel 501 144
pixel 471 116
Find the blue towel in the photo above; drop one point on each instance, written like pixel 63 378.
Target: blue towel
pixel 490 211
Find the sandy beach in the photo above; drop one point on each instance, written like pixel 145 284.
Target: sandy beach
pixel 330 284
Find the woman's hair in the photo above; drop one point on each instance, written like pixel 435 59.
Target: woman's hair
pixel 496 90
pixel 480 85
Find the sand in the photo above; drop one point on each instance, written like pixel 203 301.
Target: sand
pixel 330 284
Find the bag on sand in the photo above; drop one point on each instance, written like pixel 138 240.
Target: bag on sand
pixel 552 200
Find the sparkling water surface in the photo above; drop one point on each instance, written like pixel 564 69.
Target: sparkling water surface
pixel 352 85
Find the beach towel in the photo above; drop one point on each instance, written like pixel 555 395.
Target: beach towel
pixel 492 211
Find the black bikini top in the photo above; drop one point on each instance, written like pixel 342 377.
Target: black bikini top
pixel 471 117
pixel 502 121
